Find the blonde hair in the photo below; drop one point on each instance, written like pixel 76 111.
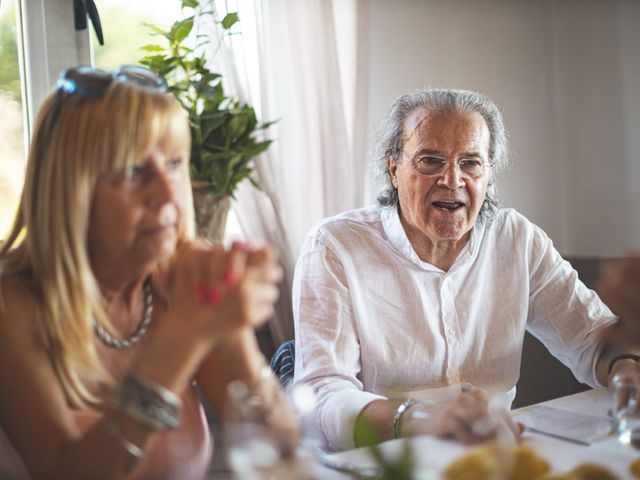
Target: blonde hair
pixel 76 140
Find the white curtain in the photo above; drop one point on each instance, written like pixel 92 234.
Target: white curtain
pixel 302 63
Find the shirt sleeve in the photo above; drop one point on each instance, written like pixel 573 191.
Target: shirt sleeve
pixel 327 344
pixel 564 314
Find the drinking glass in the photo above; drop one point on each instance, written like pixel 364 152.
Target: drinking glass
pixel 254 451
pixel 626 410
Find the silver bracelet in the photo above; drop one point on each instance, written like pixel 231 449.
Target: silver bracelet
pixel 124 442
pixel 148 403
pixel 397 417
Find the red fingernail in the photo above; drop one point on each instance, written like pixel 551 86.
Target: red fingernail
pixel 229 278
pixel 201 293
pixel 214 295
pixel 240 245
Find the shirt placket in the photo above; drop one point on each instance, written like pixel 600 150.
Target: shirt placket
pixel 451 331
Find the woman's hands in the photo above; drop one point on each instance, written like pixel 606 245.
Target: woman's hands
pixel 468 418
pixel 211 293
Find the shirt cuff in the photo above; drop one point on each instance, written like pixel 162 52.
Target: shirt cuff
pixel 338 414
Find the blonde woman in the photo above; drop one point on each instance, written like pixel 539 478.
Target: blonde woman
pixel 110 310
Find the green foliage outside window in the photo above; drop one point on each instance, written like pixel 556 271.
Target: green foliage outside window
pixel 9 75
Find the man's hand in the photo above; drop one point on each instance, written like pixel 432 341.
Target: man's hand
pixel 468 418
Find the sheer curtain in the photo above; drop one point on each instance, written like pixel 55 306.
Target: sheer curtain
pixel 302 64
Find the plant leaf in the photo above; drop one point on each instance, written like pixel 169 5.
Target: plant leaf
pixel 265 125
pixel 189 3
pixel 229 20
pixel 154 28
pixel 181 29
pixel 152 48
pixel 255 183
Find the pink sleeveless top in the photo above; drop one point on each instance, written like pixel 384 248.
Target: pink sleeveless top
pixel 11 466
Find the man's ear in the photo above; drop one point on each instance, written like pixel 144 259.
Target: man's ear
pixel 392 165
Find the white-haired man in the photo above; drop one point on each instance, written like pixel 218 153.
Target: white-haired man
pixel 433 288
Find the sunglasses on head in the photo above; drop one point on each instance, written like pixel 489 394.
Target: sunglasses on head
pixel 90 81
pixel 87 81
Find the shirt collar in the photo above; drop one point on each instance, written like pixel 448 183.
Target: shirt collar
pixel 398 238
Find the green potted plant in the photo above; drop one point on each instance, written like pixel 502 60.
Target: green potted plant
pixel 222 128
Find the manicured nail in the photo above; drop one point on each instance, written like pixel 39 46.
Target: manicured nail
pixel 229 278
pixel 241 245
pixel 214 295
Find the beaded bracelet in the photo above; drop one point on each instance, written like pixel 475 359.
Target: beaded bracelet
pixel 403 407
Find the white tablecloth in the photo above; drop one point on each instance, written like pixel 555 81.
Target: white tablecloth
pixel 583 416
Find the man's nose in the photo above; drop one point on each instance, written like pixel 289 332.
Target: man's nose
pixel 451 177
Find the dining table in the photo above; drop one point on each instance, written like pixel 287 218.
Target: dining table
pixel 567 432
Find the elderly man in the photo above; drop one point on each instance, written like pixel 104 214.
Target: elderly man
pixel 431 291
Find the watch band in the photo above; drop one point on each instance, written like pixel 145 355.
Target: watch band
pixel 623 356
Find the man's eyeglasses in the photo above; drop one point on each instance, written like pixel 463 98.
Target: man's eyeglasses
pixel 90 81
pixel 432 165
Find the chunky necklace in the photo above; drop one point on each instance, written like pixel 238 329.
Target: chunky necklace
pixel 112 342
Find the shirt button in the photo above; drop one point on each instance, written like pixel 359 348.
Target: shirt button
pixel 451 331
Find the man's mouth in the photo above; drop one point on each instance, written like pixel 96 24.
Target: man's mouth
pixel 449 206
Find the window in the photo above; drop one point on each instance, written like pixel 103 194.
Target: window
pixel 50 44
pixel 12 160
pixel 123 25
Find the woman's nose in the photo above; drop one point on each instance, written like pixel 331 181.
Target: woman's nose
pixel 161 191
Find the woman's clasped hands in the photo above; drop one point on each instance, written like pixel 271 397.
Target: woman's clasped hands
pixel 213 292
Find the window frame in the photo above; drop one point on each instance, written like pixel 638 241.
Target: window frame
pixel 47 43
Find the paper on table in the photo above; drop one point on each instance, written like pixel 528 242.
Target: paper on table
pixel 592 402
pixel 564 422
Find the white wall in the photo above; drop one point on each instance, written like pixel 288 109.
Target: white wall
pixel 566 74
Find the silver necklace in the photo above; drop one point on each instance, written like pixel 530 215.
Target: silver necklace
pixel 111 342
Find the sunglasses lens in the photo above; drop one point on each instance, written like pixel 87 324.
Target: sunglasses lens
pixel 84 81
pixel 87 81
pixel 141 76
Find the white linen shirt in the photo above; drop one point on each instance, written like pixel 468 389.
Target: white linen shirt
pixel 374 321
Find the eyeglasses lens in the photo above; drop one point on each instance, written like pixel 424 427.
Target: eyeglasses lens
pixel 471 169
